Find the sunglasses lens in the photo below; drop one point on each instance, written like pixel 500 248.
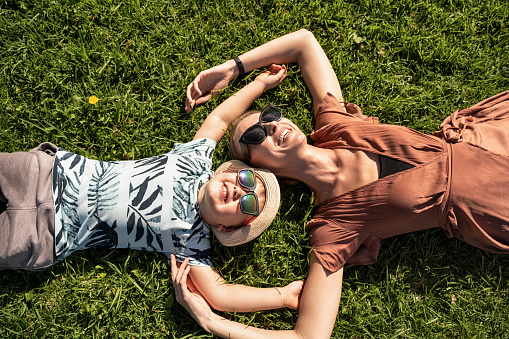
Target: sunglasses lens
pixel 247 179
pixel 270 114
pixel 248 204
pixel 254 135
pixel 257 133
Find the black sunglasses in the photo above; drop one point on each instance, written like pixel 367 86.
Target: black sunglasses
pixel 257 133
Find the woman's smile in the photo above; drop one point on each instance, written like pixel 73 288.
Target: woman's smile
pixel 283 136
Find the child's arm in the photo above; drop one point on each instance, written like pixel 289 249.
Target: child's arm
pixel 239 298
pixel 232 297
pixel 220 118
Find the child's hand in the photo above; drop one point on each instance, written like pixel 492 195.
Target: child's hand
pixel 192 301
pixel 292 293
pixel 272 76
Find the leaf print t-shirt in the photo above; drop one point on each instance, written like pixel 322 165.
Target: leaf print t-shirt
pixel 149 204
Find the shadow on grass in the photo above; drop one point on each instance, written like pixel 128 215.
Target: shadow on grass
pixel 79 263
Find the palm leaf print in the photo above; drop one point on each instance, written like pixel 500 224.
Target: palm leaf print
pixel 102 235
pixel 148 202
pixel 144 210
pixel 102 192
pixel 76 160
pixel 66 190
pixel 184 148
pixel 195 147
pixel 60 245
pixel 177 242
pixel 184 187
pixel 141 203
pixel 137 222
pixel 131 221
pixel 125 205
pixel 179 210
pixel 180 192
pixel 142 189
pixel 200 254
pixel 69 188
pixel 139 230
pixel 155 165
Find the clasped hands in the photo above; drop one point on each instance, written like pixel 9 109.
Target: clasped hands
pixel 188 295
pixel 210 82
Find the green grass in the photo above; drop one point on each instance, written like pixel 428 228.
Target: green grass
pixel 407 62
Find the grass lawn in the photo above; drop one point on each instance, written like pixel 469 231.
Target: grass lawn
pixel 410 63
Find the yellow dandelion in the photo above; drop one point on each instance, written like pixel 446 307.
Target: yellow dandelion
pixel 93 100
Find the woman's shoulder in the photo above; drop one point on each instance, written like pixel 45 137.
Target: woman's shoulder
pixel 332 109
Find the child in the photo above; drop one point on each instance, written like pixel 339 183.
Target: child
pixel 165 203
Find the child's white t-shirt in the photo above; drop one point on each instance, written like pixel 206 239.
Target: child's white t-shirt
pixel 148 204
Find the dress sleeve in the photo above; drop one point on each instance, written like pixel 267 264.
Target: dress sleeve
pixel 331 109
pixel 336 247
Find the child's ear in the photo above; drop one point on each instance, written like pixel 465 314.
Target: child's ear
pixel 223 228
pixel 220 228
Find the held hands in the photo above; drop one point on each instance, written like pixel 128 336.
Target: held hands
pixel 186 294
pixel 273 76
pixel 210 82
pixel 291 294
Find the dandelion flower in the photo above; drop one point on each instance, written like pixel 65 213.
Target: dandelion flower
pixel 93 100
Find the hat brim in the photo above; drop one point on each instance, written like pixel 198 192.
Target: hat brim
pixel 247 233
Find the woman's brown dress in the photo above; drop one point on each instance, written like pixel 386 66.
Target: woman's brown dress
pixel 460 182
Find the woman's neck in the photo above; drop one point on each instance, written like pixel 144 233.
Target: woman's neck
pixel 332 172
pixel 320 169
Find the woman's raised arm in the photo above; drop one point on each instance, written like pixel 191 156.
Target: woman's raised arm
pixel 317 315
pixel 299 47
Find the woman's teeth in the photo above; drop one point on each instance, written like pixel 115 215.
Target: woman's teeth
pixel 283 135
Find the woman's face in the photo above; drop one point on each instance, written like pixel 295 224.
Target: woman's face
pixel 280 146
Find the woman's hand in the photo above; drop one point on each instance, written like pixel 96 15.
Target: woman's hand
pixel 291 294
pixel 192 300
pixel 209 83
pixel 273 76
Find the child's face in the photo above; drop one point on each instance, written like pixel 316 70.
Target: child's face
pixel 219 201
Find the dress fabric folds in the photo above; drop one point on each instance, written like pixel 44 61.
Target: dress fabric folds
pixel 458 182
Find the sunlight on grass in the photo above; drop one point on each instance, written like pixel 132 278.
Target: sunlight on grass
pixel 107 79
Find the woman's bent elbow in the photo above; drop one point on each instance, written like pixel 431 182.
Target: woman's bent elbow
pixel 306 34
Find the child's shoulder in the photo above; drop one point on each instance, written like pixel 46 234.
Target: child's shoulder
pixel 200 147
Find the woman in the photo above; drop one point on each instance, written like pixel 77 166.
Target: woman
pixel 370 181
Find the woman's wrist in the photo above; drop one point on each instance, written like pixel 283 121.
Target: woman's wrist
pixel 233 70
pixel 211 323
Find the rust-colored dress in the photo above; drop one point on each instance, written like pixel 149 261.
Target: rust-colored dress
pixel 459 182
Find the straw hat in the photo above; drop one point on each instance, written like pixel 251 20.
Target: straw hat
pixel 247 233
